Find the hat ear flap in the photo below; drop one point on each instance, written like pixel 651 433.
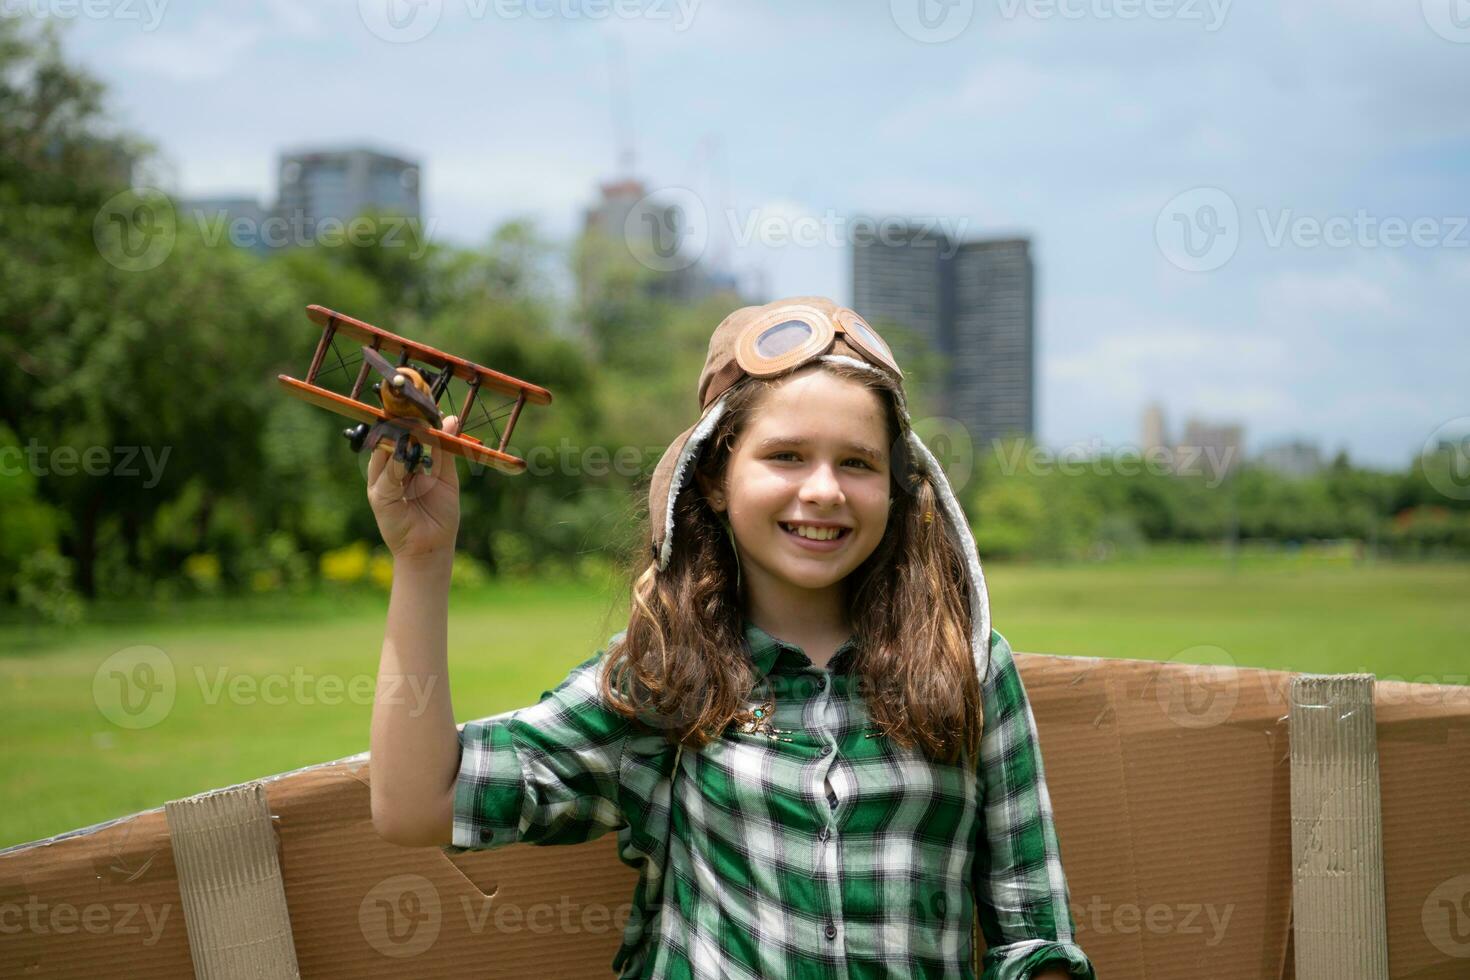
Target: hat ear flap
pixel 678 462
pixel 957 527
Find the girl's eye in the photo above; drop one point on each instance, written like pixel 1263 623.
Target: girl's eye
pixel 855 459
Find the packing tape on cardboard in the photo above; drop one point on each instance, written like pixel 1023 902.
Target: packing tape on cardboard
pixel 230 881
pixel 1338 910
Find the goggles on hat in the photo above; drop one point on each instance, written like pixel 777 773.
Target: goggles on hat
pixel 785 338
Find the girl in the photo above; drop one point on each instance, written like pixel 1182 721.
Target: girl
pixel 814 749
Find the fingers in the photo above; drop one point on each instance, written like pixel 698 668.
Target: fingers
pixel 385 474
pixel 445 468
pixel 375 466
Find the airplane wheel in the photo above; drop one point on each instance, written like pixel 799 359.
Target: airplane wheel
pixel 355 435
pixel 409 452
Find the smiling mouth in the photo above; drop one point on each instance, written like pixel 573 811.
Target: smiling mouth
pixel 816 534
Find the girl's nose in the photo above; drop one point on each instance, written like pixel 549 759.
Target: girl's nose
pixel 822 486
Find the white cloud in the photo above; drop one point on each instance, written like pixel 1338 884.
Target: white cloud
pixel 1348 291
pixel 1073 132
pixel 208 49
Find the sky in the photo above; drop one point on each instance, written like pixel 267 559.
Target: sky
pixel 1254 214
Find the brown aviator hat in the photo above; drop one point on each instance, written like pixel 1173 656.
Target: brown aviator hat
pixel 772 340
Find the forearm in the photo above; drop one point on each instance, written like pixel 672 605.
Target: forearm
pixel 415 747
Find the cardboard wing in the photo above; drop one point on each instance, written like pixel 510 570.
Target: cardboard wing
pixel 1171 783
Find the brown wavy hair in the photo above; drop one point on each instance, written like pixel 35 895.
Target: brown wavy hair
pixel 682 665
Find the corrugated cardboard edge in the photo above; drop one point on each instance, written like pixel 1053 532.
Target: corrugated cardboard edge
pixel 1423 736
pixel 231 886
pixel 1340 926
pixel 359 759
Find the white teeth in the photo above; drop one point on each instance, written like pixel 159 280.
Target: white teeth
pixel 816 534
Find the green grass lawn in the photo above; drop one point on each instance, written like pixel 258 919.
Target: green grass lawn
pixel 303 668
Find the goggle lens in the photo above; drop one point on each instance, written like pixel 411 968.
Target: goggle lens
pixel 783 337
pixel 868 340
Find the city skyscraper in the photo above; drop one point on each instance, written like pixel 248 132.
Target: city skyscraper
pixel 973 302
pixel 655 233
pixel 317 184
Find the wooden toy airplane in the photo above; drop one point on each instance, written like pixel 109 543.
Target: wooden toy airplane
pixel 410 392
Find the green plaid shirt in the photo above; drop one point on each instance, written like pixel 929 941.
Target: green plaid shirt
pixel 809 847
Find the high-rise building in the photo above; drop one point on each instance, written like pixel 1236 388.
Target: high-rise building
pixel 655 233
pixel 1155 434
pixel 239 221
pixel 317 184
pixel 973 302
pixel 1208 448
pixel 1294 458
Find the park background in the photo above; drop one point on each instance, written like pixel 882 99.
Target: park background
pixel 236 547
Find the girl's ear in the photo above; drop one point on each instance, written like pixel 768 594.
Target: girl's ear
pixel 715 495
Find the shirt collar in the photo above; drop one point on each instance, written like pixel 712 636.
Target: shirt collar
pixel 766 651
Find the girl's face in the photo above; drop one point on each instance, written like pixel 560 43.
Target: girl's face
pixel 816 450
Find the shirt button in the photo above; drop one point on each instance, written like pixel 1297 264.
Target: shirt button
pixel 822 834
pixel 826 750
pixel 831 931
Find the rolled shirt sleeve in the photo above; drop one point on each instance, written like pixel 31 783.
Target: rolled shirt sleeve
pixel 1021 895
pixel 544 774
